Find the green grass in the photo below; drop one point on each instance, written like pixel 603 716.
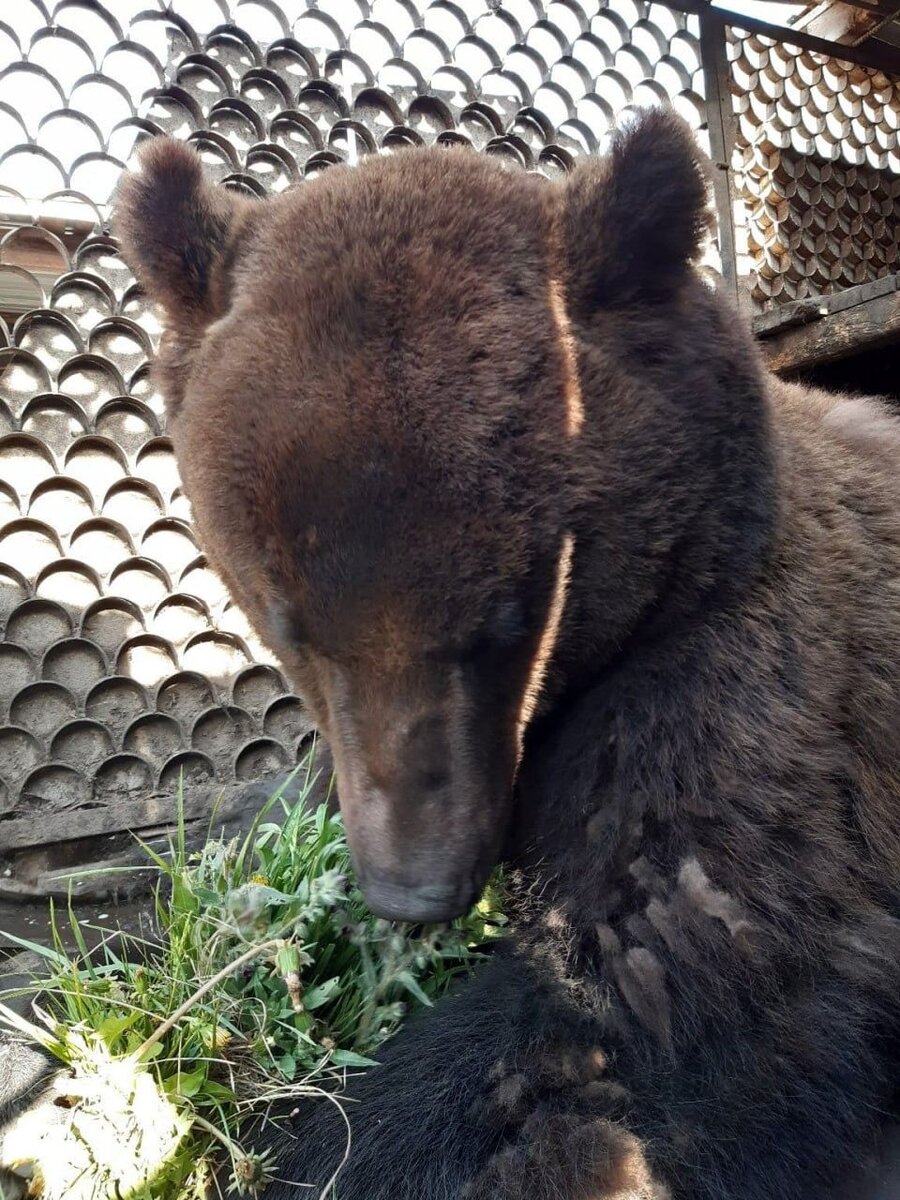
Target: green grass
pixel 267 979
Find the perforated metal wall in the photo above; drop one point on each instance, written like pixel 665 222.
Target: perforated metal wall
pixel 818 170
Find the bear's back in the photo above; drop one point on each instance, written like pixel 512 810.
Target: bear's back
pixel 838 571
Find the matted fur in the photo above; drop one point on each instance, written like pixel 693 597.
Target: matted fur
pixel 700 998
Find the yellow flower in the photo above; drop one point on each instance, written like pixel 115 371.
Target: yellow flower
pixel 221 1038
pixel 260 879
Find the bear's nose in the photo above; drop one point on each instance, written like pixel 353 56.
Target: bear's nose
pixel 428 903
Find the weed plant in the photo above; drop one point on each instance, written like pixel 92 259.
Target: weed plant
pixel 266 978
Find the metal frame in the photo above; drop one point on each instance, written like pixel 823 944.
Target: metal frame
pixel 722 132
pixel 775 326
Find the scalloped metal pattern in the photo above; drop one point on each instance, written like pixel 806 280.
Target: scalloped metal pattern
pixel 123 663
pixel 276 90
pixel 818 168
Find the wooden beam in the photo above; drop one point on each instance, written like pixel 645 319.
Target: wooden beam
pixel 789 316
pixel 861 326
pixel 801 312
pixel 847 23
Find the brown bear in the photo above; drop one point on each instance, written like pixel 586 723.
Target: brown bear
pixel 569 581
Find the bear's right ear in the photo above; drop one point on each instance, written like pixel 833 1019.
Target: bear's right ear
pixel 634 221
pixel 176 228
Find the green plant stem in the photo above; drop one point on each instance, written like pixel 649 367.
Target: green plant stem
pixel 160 1032
pixel 231 1146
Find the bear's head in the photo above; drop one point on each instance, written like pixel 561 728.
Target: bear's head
pixel 437 423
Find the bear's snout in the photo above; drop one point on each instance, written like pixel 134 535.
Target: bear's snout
pixel 423 903
pixel 425 787
pixel 424 837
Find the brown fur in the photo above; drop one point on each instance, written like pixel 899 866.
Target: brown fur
pixel 376 413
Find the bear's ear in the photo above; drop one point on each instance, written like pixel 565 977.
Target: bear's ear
pixel 176 228
pixel 634 220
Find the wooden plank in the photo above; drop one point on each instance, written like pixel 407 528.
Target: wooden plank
pixel 863 292
pixel 801 312
pixel 722 132
pixel 788 316
pixel 132 812
pixel 144 813
pixel 864 326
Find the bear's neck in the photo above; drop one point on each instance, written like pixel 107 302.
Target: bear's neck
pixel 676 522
pixel 676 505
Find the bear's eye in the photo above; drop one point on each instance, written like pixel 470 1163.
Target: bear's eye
pixel 504 627
pixel 507 622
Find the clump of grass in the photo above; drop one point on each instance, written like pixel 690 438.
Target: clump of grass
pixel 267 979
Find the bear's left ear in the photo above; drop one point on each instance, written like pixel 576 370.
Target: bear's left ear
pixel 634 221
pixel 177 230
